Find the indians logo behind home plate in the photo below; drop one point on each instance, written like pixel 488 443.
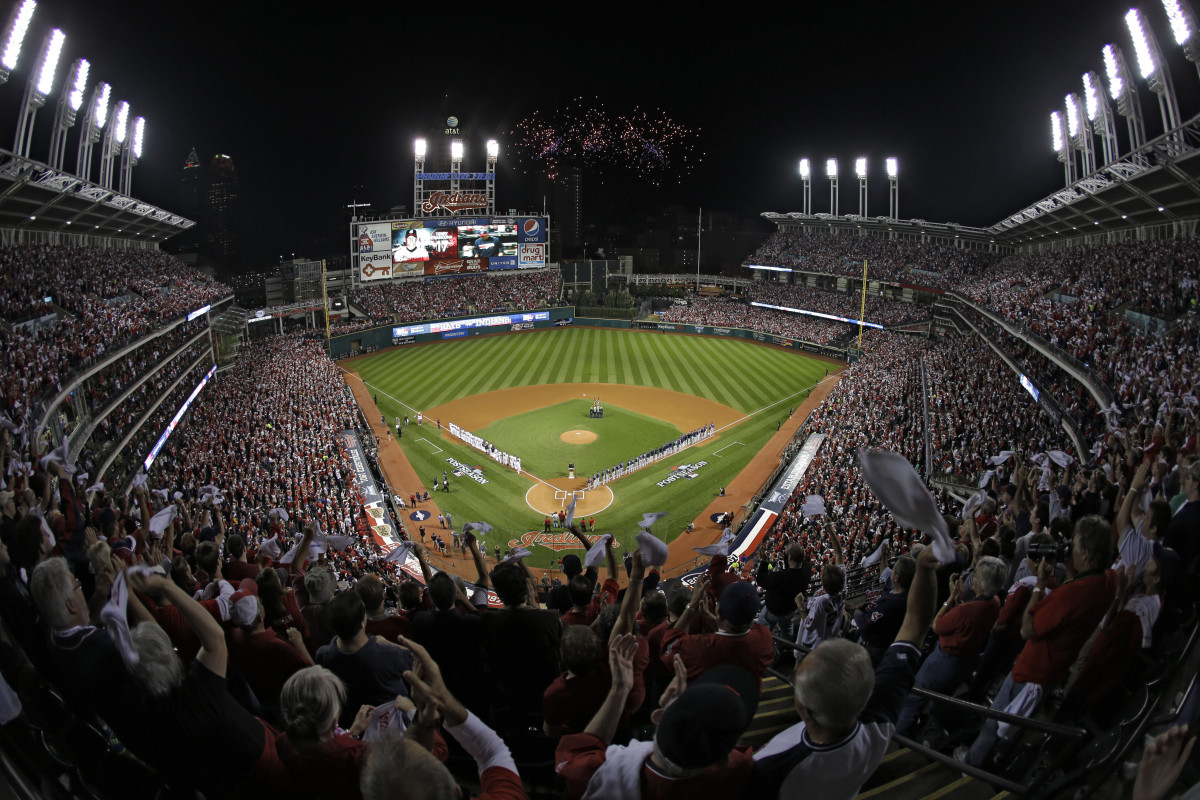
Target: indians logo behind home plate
pixel 555 541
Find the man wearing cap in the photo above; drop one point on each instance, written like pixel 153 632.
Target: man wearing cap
pixel 847 710
pixel 693 754
pixel 266 660
pixel 738 640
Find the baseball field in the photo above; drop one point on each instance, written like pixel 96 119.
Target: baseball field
pixel 530 395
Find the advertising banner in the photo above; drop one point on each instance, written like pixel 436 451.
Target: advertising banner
pixel 531 230
pixel 374 238
pixel 502 262
pixel 375 266
pixel 532 256
pixel 456 266
pixel 362 473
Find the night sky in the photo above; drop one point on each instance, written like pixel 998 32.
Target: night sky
pixel 317 112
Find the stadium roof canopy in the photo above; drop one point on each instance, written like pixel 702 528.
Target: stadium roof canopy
pixel 37 198
pixel 1155 185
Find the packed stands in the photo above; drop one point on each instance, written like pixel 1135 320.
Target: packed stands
pixel 435 298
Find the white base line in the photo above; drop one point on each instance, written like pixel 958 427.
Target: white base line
pixel 375 389
pixel 436 449
pixel 717 453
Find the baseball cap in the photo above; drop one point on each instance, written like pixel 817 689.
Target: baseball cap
pixel 739 603
pixel 704 723
pixel 319 584
pixel 243 604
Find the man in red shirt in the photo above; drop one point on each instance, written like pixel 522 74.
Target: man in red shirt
pixel 1055 627
pixel 738 640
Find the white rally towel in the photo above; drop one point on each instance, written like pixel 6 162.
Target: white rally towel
pixel 719 548
pixel 114 616
pixel 1005 455
pixel 873 559
pixel 570 520
pixel 162 520
pixel 279 513
pixel 387 722
pixel 649 518
pixel 399 554
pixel 595 554
pixel 654 551
pixel 517 555
pixel 270 548
pixel 902 492
pixel 482 527
pixel 1023 705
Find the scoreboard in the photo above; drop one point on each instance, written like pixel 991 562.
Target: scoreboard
pixel 433 247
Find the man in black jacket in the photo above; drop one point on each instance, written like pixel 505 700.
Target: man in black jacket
pixel 782 586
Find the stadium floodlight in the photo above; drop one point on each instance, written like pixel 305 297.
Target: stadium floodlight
pixel 69 104
pixel 1080 132
pixel 14 36
pixel 139 132
pixel 1056 136
pixel 1121 89
pixel 419 147
pixel 93 124
pixel 38 89
pixel 1072 117
pixel 860 170
pixel 456 150
pixel 860 167
pixel 806 183
pixel 493 148
pixel 1183 28
pixel 122 122
pixel 893 173
pixel 1133 21
pixel 831 172
pixel 101 110
pixel 1090 98
pixel 45 82
pixel 1154 69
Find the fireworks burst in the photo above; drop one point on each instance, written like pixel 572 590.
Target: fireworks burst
pixel 649 145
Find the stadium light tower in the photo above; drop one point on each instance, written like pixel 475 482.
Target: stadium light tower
pixel 1121 89
pixel 131 153
pixel 64 116
pixel 893 173
pixel 1153 67
pixel 1058 136
pixel 1183 28
pixel 806 180
pixel 14 36
pixel 860 170
pixel 456 157
pixel 114 140
pixel 41 83
pixel 93 125
pixel 493 152
pixel 831 173
pixel 1100 115
pixel 1081 134
pixel 419 148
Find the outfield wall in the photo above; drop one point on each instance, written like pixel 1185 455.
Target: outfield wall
pixel 373 339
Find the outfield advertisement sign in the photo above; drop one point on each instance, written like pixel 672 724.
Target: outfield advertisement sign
pixel 362 473
pixel 470 322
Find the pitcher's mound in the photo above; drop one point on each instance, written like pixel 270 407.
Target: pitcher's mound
pixel 577 437
pixel 555 495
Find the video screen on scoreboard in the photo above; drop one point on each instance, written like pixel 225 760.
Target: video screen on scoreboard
pixel 487 241
pixel 423 244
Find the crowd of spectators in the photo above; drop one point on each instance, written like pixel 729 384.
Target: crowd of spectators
pixel 434 298
pixel 65 306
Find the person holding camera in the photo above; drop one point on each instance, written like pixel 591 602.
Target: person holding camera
pixel 1055 628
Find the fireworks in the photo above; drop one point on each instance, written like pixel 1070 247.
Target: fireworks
pixel 648 145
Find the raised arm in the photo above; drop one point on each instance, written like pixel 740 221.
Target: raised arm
pixel 633 599
pixel 921 598
pixel 212 639
pixel 620 659
pixel 476 556
pixel 419 552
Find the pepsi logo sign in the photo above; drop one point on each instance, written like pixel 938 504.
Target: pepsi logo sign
pixel 532 226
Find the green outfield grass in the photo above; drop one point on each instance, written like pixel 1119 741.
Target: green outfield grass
pixel 761 382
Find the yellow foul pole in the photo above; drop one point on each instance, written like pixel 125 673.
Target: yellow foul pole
pixel 325 300
pixel 862 311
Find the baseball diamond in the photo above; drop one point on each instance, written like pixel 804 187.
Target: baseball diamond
pixel 530 395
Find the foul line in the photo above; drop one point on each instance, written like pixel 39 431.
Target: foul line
pixel 431 444
pixel 375 389
pixel 717 453
pixel 777 402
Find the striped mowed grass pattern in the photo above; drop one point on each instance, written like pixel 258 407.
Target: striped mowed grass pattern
pixel 740 374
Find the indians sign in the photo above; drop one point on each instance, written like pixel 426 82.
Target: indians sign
pixel 555 541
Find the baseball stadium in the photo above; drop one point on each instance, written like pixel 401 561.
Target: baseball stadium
pixel 526 501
